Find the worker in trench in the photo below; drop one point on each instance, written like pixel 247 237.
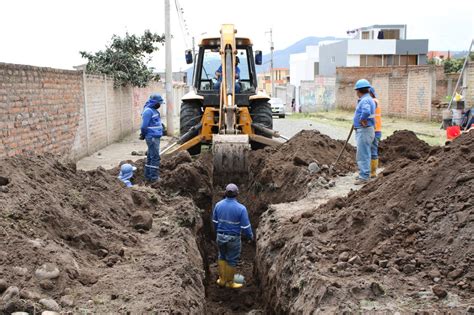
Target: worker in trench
pixel 374 154
pixel 230 219
pixel 364 123
pixel 151 132
pixel 126 174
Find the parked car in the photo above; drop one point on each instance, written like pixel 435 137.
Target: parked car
pixel 278 108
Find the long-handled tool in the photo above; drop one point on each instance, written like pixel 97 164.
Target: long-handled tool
pixel 343 148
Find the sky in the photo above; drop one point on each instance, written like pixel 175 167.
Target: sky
pixel 51 33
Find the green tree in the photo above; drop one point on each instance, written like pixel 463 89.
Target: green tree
pixel 453 65
pixel 126 59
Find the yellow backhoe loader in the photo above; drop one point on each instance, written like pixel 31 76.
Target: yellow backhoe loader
pixel 224 108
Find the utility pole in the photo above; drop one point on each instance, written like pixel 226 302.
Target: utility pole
pixel 169 72
pixel 194 50
pixel 271 62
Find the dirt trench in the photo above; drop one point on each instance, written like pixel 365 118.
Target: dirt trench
pixel 277 175
pixel 83 224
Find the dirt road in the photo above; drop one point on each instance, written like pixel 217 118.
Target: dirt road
pixel 110 156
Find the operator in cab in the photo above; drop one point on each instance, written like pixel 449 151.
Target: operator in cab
pixel 218 75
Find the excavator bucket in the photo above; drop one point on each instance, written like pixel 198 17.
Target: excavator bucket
pixel 230 153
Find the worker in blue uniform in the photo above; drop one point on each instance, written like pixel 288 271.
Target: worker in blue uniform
pixel 218 75
pixel 364 122
pixel 151 132
pixel 230 219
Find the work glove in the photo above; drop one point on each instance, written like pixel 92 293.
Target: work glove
pixel 142 137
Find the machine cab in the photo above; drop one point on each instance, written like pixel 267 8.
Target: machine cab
pixel 207 83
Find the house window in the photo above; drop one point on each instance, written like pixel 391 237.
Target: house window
pixel 410 60
pixel 333 59
pixel 366 35
pixel 391 34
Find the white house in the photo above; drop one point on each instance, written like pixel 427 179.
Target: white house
pixel 373 46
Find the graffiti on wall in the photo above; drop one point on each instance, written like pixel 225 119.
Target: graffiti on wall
pixel 317 95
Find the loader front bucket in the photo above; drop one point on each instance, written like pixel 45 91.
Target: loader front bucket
pixel 230 155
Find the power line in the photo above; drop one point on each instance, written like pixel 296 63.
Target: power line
pixel 182 23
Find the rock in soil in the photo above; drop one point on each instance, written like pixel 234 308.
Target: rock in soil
pixel 50 304
pixel 3 285
pixel 11 293
pixel 142 220
pixel 4 181
pixel 47 285
pixel 439 291
pixel 47 271
pixel 377 289
pixel 67 301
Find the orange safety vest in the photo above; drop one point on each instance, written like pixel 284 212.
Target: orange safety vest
pixel 378 116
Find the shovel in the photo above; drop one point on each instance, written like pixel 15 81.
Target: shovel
pixel 331 168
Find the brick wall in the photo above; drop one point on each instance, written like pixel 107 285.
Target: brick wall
pixel 419 87
pixel 413 91
pixel 39 109
pixel 468 83
pixel 65 112
pixel 140 96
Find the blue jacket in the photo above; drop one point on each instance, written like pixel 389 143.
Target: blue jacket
pixel 237 73
pixel 365 110
pixel 151 121
pixel 231 217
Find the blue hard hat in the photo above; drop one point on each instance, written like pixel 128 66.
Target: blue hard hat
pixel 126 171
pixel 156 98
pixel 372 90
pixel 361 84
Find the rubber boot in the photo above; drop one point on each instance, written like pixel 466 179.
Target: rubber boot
pixel 373 168
pixel 222 266
pixel 230 272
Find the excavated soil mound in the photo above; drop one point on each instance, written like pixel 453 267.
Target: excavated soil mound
pixel 403 144
pixel 282 174
pixel 404 242
pixel 80 241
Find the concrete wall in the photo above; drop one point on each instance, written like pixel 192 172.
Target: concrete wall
pixel 286 94
pixel 413 91
pixel 65 112
pixel 338 50
pixel 317 95
pixel 107 114
pixel 371 47
pixel 412 46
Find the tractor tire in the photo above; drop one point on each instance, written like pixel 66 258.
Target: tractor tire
pixel 261 113
pixel 190 115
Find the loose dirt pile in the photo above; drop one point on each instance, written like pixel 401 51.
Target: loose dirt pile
pixel 78 241
pixel 404 242
pixel 403 144
pixel 276 175
pixel 95 233
pixel 283 174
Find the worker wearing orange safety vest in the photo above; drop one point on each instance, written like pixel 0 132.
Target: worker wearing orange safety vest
pixel 374 151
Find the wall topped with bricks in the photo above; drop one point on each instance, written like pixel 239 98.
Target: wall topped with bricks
pixel 64 112
pixel 413 91
pixel 39 109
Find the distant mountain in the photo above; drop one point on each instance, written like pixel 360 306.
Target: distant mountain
pixel 281 58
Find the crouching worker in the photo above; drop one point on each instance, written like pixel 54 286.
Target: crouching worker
pixel 126 174
pixel 230 218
